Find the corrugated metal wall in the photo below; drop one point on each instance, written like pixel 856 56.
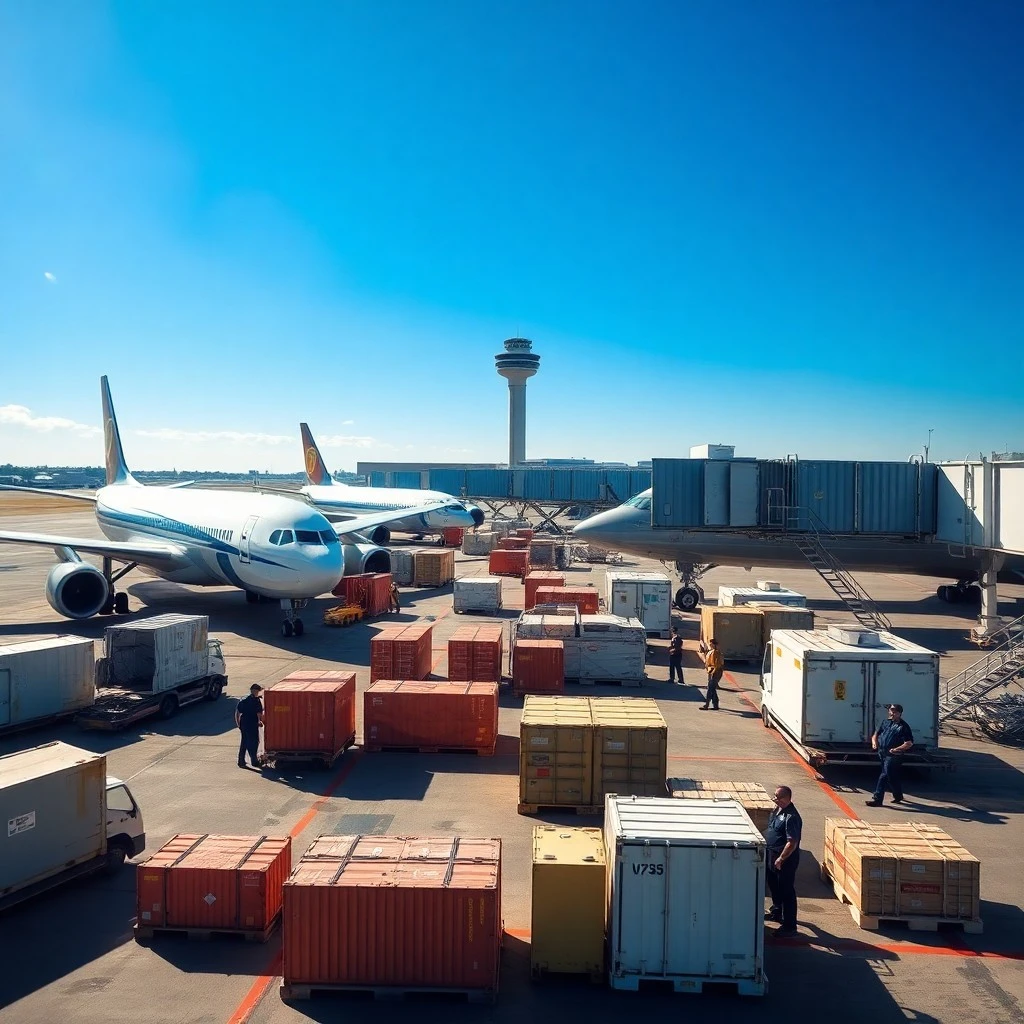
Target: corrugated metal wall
pixel 451 481
pixel 776 483
pixel 561 483
pixel 828 490
pixel 618 482
pixel 639 480
pixel 378 479
pixel 406 479
pixel 678 493
pixel 489 483
pixel 888 497
pixel 587 484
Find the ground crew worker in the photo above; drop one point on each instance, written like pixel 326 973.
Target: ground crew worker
pixel 714 663
pixel 675 657
pixel 783 838
pixel 892 739
pixel 249 719
pixel 396 604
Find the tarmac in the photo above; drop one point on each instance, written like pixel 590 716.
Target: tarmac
pixel 70 954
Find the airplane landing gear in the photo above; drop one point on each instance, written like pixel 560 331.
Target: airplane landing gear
pixel 292 625
pixel 965 591
pixel 690 594
pixel 687 598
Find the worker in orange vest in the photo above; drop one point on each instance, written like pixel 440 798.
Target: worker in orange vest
pixel 714 663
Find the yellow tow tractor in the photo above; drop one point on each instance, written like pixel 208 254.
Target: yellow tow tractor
pixel 343 615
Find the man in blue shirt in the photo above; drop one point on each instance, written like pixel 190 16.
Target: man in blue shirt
pixel 892 739
pixel 249 718
pixel 783 838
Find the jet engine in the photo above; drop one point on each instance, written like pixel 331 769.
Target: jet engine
pixel 77 590
pixel 381 535
pixel 360 558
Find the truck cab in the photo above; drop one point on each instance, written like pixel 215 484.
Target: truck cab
pixel 126 831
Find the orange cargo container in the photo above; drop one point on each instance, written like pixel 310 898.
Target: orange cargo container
pixel 538 666
pixel 585 598
pixel 503 562
pixel 475 654
pixel 430 715
pixel 370 591
pixel 382 911
pixel 512 543
pixel 215 883
pixel 452 536
pixel 540 578
pixel 402 652
pixel 525 531
pixel 310 713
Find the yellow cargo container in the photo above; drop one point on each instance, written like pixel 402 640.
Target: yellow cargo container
pixel 737 629
pixel 630 747
pixel 567 931
pixel 754 799
pixel 556 744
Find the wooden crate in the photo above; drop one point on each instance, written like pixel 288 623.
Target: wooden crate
pixel 753 798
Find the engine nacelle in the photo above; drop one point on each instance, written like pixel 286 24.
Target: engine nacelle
pixel 360 558
pixel 77 590
pixel 382 535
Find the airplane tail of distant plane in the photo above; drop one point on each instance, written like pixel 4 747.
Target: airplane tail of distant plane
pixel 117 468
pixel 316 471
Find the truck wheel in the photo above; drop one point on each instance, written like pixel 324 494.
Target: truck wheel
pixel 216 687
pixel 687 598
pixel 169 706
pixel 116 856
pixel 765 720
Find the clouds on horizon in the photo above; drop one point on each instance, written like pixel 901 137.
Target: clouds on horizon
pixel 22 416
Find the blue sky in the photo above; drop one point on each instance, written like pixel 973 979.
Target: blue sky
pixel 790 227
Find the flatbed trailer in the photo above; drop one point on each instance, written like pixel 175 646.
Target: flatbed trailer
pixel 117 708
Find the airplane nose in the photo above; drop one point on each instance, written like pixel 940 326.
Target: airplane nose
pixel 477 514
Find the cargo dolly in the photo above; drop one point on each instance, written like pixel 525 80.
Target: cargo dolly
pixel 323 758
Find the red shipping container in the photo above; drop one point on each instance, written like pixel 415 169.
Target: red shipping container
pixel 430 714
pixel 538 666
pixel 224 883
pixel 585 598
pixel 512 543
pixel 370 591
pixel 540 578
pixel 475 654
pixel 402 652
pixel 310 713
pixel 378 911
pixel 452 536
pixel 503 562
pixel 525 531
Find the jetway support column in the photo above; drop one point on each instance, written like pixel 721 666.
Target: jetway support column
pixel 988 620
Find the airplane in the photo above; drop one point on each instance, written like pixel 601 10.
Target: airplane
pixel 340 502
pixel 271 547
pixel 628 528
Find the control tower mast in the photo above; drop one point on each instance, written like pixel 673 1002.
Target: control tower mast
pixel 517 364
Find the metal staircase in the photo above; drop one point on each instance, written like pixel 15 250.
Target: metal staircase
pixel 996 668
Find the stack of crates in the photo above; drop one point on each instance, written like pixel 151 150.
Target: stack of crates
pixel 402 652
pixel 475 654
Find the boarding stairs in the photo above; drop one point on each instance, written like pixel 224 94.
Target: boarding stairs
pixel 998 667
pixel 809 538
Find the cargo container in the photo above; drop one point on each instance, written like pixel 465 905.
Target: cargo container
pixel 586 599
pixel 538 666
pixel 737 630
pixel 543 552
pixel 402 652
pixel 505 562
pixel 568 901
pixel 41 680
pixel 452 536
pixel 752 797
pixel 524 531
pixel 208 883
pixel 686 885
pixel 65 817
pixel 476 654
pixel 513 542
pixel 777 616
pixel 374 912
pixel 403 566
pixel 477 594
pixel 540 578
pixel 549 623
pixel 556 753
pixel 900 871
pixel 630 747
pixel 369 591
pixel 827 696
pixel 430 715
pixel 732 597
pixel 478 543
pixel 310 715
pixel 646 596
pixel 434 568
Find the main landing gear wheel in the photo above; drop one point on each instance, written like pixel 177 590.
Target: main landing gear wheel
pixel 292 627
pixel 121 604
pixel 687 598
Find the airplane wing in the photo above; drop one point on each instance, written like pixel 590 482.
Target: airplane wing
pixel 76 495
pixel 144 552
pixel 367 522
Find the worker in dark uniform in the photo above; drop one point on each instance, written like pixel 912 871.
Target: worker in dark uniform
pixel 675 657
pixel 783 837
pixel 396 604
pixel 249 719
pixel 714 663
pixel 892 739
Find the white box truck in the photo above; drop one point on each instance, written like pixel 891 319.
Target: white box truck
pixel 65 818
pixel 44 680
pixel 646 596
pixel 686 883
pixel 826 695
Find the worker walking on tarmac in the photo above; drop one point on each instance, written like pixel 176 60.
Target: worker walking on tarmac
pixel 892 739
pixel 714 663
pixel 395 603
pixel 675 657
pixel 249 719
pixel 783 857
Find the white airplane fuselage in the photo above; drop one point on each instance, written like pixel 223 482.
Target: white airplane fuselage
pixel 343 499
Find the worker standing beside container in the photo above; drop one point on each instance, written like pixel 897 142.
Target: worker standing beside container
pixel 892 739
pixel 675 657
pixel 396 604
pixel 783 837
pixel 715 664
pixel 249 718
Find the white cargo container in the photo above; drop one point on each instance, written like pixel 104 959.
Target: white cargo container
pixel 475 543
pixel 403 570
pixel 729 597
pixel 157 654
pixel 478 594
pixel 712 451
pixel 646 596
pixel 685 894
pixel 818 689
pixel 44 679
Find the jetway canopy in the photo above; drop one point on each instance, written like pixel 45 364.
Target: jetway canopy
pixel 981 505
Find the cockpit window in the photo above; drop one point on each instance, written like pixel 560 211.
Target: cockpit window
pixel 641 501
pixel 329 537
pixel 275 537
pixel 308 537
pixel 455 508
pixel 281 537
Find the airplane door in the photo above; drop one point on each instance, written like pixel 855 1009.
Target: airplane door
pixel 243 540
pixel 5 696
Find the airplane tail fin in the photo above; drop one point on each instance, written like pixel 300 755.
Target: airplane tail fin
pixel 316 471
pixel 117 468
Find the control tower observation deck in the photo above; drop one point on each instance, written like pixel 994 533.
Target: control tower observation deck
pixel 517 364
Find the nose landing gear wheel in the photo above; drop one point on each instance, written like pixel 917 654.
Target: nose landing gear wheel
pixel 297 628
pixel 687 598
pixel 121 604
pixel 286 629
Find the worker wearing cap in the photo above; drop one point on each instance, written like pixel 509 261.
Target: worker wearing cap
pixel 714 663
pixel 782 836
pixel 249 719
pixel 892 739
pixel 675 657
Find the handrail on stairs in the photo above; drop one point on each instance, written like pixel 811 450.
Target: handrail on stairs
pixel 991 661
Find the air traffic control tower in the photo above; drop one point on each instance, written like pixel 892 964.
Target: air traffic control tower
pixel 517 364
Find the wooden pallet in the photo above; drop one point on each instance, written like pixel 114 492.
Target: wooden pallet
pixel 280 757
pixel 561 808
pixel 479 751
pixel 688 983
pixel 145 932
pixel 293 991
pixel 631 683
pixel 915 922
